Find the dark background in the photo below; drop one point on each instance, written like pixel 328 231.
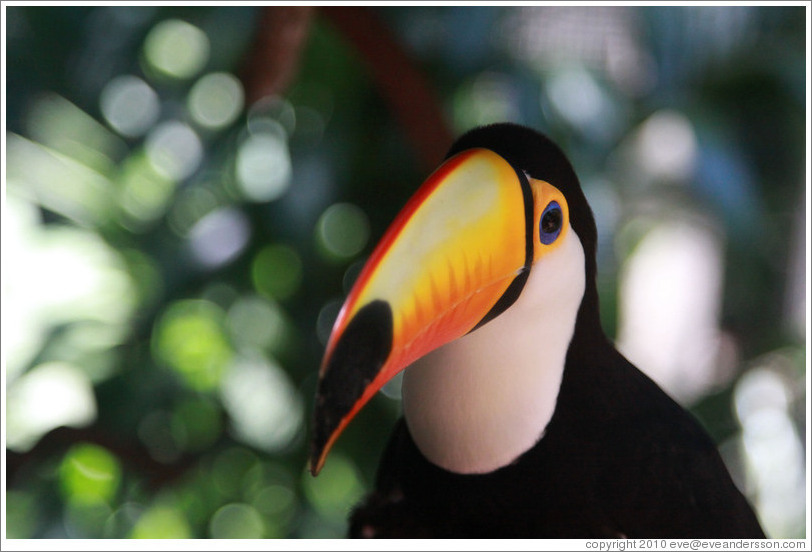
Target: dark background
pixel 191 191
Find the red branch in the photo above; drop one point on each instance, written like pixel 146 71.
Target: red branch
pixel 282 34
pixel 274 59
pixel 409 94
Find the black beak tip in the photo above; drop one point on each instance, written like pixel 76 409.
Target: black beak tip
pixel 312 466
pixel 321 430
pixel 353 365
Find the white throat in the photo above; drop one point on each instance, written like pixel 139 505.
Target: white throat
pixel 479 402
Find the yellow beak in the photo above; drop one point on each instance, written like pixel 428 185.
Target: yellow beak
pixel 454 257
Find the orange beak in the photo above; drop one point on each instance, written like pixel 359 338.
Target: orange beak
pixel 454 257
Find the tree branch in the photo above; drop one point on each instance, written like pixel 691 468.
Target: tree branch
pixel 274 59
pixel 412 100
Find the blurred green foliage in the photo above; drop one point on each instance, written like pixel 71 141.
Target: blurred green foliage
pixel 174 257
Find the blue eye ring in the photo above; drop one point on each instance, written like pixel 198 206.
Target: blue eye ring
pixel 550 223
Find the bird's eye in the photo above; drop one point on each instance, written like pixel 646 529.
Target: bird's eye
pixel 550 225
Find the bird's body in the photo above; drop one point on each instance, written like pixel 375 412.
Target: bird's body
pixel 640 468
pixel 521 419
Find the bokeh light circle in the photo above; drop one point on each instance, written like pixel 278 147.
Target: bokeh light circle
pixel 130 105
pixel 263 166
pixel 216 100
pixel 236 521
pixel 277 271
pixel 176 49
pixel 174 150
pixel 343 230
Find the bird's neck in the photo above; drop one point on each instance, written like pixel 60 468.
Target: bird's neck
pixel 478 403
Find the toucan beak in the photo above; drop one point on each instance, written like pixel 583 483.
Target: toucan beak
pixel 458 246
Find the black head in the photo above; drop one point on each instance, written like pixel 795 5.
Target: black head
pixel 534 154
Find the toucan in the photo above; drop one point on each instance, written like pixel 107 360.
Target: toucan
pixel 520 418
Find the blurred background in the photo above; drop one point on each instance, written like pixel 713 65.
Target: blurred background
pixel 190 192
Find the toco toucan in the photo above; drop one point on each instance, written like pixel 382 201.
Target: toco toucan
pixel 520 418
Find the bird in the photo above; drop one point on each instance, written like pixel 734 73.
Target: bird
pixel 520 417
